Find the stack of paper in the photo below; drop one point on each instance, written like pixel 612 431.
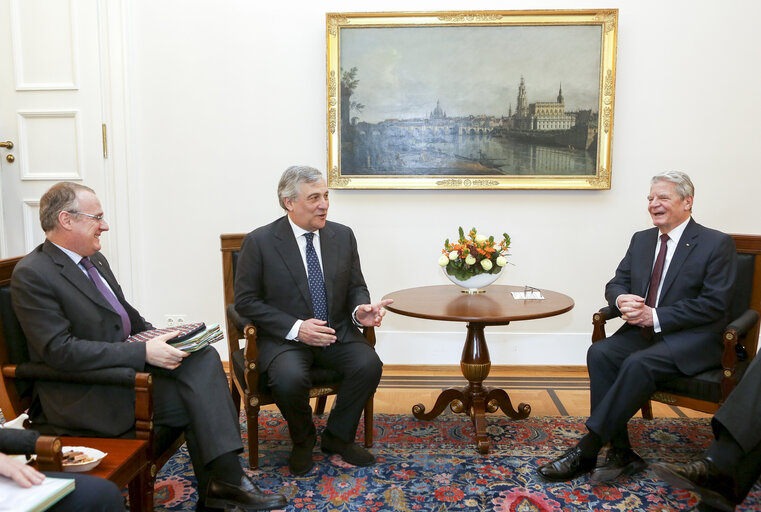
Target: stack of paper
pixel 211 334
pixel 192 337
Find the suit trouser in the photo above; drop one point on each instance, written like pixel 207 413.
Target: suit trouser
pixel 90 494
pixel 624 371
pixel 737 428
pixel 288 376
pixel 196 397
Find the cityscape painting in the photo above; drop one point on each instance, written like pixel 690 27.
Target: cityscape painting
pixel 492 100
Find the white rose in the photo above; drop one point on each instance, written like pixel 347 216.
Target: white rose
pixel 454 255
pixel 470 260
pixel 486 264
pixel 481 238
pixel 501 261
pixel 443 260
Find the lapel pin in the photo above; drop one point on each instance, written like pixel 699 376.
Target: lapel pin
pixel 687 244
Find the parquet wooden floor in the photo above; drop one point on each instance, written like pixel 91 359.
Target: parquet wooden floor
pixel 551 391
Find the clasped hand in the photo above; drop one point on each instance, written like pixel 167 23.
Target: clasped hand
pixel 634 311
pixel 159 353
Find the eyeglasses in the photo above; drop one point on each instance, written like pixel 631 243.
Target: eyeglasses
pixel 96 217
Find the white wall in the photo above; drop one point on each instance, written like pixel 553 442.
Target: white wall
pixel 226 95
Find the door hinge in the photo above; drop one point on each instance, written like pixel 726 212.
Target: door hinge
pixel 105 141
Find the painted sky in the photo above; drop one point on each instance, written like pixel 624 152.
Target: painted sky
pixel 471 70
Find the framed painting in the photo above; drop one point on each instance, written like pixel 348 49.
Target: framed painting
pixel 471 100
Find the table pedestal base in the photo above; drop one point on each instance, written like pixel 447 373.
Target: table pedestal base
pixel 475 399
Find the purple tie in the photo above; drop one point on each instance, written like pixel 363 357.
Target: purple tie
pixel 107 294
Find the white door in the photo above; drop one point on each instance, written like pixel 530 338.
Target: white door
pixel 50 109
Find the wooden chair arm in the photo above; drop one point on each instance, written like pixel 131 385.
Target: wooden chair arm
pixel 731 339
pixel 599 319
pixel 369 333
pixel 141 382
pixel 49 453
pixel 250 354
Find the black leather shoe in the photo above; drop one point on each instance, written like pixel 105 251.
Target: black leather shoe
pixel 567 467
pixel 300 462
pixel 618 462
pixel 246 496
pixel 350 452
pixel 716 489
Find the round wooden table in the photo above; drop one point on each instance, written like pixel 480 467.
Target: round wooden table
pixel 494 307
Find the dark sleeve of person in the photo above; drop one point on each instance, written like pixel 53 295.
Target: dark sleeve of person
pixel 713 289
pixel 51 334
pixel 621 282
pixel 252 293
pixel 18 441
pixel 357 293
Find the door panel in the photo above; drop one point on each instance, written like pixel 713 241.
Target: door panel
pixel 50 108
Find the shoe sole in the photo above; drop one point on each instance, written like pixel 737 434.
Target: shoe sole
pixel 708 496
pixel 565 479
pixel 302 472
pixel 360 464
pixel 227 504
pixel 608 475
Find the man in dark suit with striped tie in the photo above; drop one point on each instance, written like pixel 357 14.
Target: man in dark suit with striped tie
pixel 298 279
pixel 673 290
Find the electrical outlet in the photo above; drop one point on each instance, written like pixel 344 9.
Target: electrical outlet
pixel 175 320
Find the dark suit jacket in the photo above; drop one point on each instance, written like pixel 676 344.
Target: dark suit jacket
pixel 271 287
pixel 694 302
pixel 70 326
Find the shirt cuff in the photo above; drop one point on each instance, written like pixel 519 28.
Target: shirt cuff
pixel 293 334
pixel 354 318
pixel 656 323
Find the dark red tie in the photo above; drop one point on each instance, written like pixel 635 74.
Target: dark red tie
pixel 655 279
pixel 655 282
pixel 107 294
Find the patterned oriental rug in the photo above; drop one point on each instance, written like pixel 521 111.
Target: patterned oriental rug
pixel 434 466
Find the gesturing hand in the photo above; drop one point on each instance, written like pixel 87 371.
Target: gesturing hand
pixel 372 314
pixel 316 333
pixel 159 353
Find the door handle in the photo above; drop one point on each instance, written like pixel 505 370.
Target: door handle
pixel 7 144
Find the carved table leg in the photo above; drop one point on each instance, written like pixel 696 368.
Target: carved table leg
pixel 498 398
pixel 446 396
pixel 474 399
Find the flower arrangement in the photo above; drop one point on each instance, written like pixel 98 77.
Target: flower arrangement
pixel 474 255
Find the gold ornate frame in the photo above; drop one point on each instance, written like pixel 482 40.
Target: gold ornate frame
pixel 602 121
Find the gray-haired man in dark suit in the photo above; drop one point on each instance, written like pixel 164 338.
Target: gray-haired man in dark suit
pixel 299 280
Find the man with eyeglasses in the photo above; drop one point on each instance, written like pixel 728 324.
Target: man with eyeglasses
pixel 75 318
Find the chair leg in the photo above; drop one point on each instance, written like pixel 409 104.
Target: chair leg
pixel 252 420
pixel 320 406
pixel 647 410
pixel 369 423
pixel 141 492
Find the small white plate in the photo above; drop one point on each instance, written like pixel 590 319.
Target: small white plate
pixel 96 456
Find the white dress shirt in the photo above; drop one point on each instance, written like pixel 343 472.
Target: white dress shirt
pixel 671 245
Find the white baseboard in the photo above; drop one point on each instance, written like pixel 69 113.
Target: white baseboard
pixel 505 348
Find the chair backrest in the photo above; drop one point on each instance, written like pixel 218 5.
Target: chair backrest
pixel 15 394
pixel 748 285
pixel 230 246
